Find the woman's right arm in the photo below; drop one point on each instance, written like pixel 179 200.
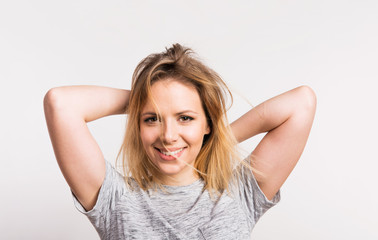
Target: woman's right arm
pixel 67 111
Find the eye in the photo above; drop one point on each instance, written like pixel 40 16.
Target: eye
pixel 186 118
pixel 150 120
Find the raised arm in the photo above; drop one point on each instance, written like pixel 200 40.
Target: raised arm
pixel 287 119
pixel 67 111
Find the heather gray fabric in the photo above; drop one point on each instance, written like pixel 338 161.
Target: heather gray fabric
pixel 183 212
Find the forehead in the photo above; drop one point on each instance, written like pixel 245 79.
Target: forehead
pixel 173 95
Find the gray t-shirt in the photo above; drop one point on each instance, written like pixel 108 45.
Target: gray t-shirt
pixel 181 212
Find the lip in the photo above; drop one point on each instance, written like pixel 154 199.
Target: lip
pixel 170 149
pixel 170 157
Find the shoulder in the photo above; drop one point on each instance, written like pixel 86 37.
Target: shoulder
pixel 246 188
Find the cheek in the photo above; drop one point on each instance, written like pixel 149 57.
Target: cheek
pixel 147 136
pixel 194 136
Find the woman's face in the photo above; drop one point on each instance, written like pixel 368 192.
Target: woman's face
pixel 174 142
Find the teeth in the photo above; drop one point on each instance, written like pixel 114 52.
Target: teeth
pixel 171 153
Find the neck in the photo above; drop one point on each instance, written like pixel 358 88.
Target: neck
pixel 174 180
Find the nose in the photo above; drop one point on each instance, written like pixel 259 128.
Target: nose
pixel 169 132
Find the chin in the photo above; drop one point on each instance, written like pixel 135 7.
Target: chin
pixel 170 170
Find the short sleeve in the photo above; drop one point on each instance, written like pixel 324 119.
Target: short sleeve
pixel 111 190
pixel 253 199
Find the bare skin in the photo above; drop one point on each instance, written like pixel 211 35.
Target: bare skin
pixel 287 119
pixel 67 111
pixel 184 125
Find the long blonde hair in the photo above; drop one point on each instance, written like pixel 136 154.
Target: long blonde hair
pixel 217 158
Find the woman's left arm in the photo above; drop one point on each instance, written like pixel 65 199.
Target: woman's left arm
pixel 287 119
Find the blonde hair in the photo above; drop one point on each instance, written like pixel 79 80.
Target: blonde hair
pixel 216 160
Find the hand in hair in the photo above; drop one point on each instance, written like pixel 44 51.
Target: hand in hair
pixel 287 119
pixel 67 110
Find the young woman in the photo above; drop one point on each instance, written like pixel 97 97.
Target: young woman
pixel 182 176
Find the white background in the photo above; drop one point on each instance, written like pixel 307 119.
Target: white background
pixel 260 48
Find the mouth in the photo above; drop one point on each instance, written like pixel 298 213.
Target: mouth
pixel 170 155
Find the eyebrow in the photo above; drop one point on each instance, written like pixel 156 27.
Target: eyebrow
pixel 148 113
pixel 179 113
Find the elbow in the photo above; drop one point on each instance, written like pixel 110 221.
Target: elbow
pixel 307 97
pixel 48 97
pixel 51 100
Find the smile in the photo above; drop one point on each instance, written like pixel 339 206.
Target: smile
pixel 170 153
